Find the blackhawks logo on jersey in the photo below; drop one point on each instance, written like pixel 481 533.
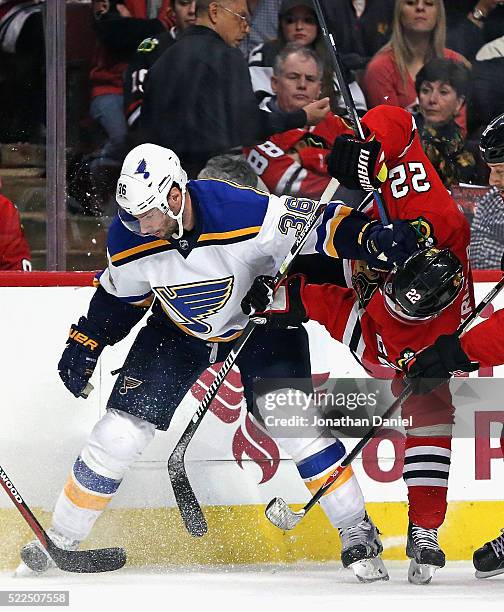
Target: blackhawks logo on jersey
pixel 406 355
pixel 190 304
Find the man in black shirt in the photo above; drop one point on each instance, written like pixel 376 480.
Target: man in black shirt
pixel 198 97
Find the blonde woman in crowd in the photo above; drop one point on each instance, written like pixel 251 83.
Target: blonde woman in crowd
pixel 418 35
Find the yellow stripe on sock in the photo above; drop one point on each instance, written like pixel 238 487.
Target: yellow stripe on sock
pixel 83 499
pixel 314 485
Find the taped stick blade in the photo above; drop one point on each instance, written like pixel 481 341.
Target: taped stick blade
pixel 283 517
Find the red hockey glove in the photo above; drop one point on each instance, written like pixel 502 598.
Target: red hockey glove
pixel 357 164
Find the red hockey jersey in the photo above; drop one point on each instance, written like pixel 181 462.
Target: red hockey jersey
pixel 413 189
pixel 276 160
pixel 14 250
pixel 485 341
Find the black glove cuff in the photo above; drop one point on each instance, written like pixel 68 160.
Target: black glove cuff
pixel 452 355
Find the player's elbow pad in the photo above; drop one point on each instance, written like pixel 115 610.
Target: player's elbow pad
pixel 112 316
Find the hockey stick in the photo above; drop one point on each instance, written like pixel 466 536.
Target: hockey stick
pixel 347 98
pixel 188 505
pixel 80 561
pixel 278 511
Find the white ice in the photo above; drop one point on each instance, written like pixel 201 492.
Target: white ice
pixel 259 588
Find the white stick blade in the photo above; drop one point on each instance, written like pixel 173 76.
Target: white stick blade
pixel 279 513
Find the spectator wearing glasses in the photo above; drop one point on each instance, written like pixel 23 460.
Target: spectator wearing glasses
pixel 297 23
pixel 198 98
pixel 418 35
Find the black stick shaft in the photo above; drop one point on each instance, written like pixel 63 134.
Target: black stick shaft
pixel 347 97
pixel 489 297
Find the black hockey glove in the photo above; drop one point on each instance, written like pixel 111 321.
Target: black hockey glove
pixel 357 164
pixel 259 296
pixel 436 363
pixel 287 308
pixel 80 356
pixel 383 246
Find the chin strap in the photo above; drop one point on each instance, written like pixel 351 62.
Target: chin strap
pixel 178 217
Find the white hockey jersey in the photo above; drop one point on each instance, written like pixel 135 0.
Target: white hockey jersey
pixel 201 279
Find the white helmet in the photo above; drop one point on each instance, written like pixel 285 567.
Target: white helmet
pixel 147 175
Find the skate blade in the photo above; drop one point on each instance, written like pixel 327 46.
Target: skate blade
pixel 369 570
pixel 480 575
pixel 23 571
pixel 421 573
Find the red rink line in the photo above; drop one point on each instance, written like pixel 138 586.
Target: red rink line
pixel 83 279
pixel 46 279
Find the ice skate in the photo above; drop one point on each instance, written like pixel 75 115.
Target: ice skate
pixel 425 554
pixel 35 559
pixel 361 548
pixel 489 559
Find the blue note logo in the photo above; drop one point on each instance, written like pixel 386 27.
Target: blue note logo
pixel 142 169
pixel 189 305
pixel 129 383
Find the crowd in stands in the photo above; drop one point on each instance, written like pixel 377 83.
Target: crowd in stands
pixel 253 82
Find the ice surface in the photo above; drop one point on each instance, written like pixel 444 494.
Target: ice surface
pixel 284 588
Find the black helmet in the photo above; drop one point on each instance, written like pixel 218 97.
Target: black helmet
pixel 492 141
pixel 424 286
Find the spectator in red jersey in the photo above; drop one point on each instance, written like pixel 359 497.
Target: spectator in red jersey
pixel 147 53
pixel 418 35
pixel 14 250
pixel 293 162
pixel 120 27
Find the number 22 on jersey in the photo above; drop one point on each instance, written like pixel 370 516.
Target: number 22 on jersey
pixel 406 177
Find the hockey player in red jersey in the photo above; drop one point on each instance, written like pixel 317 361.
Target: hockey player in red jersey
pixel 293 162
pixel 384 325
pixel 483 345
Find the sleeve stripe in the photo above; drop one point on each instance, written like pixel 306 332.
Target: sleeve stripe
pixel 287 176
pixel 139 249
pixel 135 298
pixel 245 231
pixel 331 227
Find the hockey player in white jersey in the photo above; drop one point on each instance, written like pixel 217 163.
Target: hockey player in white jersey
pixel 191 250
